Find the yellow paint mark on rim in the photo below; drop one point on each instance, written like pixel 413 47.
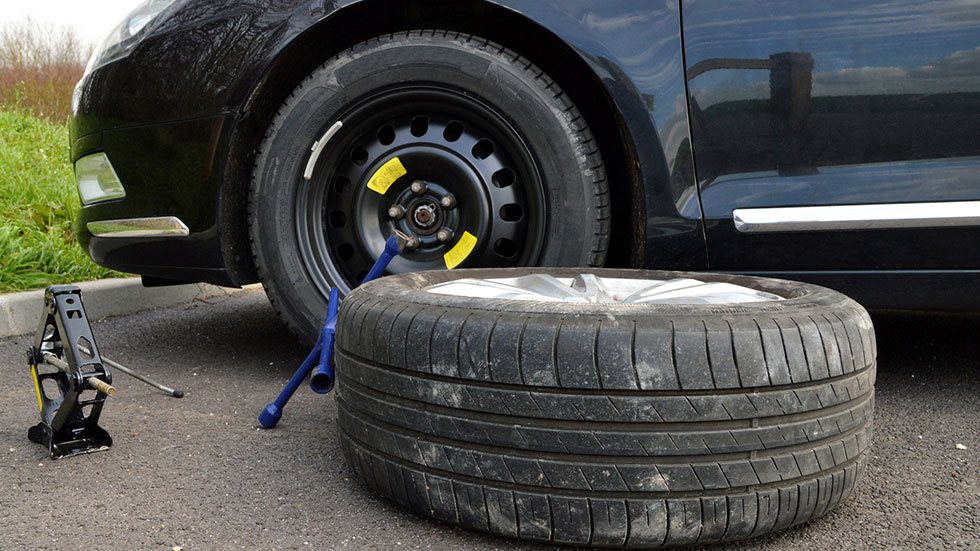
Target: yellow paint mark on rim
pixel 460 250
pixel 37 388
pixel 386 175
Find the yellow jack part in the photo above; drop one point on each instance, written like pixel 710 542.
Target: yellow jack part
pixel 37 387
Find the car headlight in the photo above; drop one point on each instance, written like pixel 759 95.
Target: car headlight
pixel 127 34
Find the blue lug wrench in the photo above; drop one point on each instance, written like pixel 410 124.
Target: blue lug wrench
pixel 321 357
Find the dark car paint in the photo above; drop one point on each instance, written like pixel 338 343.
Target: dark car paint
pixel 223 51
pixel 175 144
pixel 867 102
pixel 170 146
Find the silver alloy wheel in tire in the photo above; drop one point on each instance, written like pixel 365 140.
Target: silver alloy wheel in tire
pixel 589 288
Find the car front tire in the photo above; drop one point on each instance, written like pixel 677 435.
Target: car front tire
pixel 510 173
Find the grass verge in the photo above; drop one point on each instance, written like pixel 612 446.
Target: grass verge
pixel 38 202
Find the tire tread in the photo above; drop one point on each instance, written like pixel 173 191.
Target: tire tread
pixel 617 429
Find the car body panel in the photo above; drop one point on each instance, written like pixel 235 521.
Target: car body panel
pixel 635 47
pixel 833 103
pixel 703 136
pixel 202 60
pixel 179 167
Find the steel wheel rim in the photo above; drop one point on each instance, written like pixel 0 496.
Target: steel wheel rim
pixel 499 194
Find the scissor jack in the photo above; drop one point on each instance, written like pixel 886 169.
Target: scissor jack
pixel 70 377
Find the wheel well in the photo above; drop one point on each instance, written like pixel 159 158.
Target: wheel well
pixel 376 17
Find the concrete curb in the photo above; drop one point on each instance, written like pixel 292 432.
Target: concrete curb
pixel 21 312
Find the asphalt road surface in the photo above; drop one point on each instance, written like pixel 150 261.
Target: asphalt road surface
pixel 197 473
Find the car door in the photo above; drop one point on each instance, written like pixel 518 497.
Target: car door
pixel 836 135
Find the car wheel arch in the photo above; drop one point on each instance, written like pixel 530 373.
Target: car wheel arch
pixel 336 32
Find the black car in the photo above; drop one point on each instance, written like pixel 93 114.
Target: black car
pixel 282 141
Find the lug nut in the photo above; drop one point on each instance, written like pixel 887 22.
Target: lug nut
pixel 413 242
pixel 419 187
pixel 445 234
pixel 448 201
pixel 396 212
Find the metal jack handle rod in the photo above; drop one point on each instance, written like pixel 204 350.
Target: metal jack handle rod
pixel 92 382
pixel 131 373
pixel 321 357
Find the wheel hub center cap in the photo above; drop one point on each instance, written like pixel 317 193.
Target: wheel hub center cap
pixel 424 217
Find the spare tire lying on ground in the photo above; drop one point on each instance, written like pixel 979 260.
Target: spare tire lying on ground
pixel 606 409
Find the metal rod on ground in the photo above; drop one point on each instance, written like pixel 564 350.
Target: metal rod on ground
pixel 135 375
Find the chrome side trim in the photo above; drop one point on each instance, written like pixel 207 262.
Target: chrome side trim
pixel 160 226
pixel 857 217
